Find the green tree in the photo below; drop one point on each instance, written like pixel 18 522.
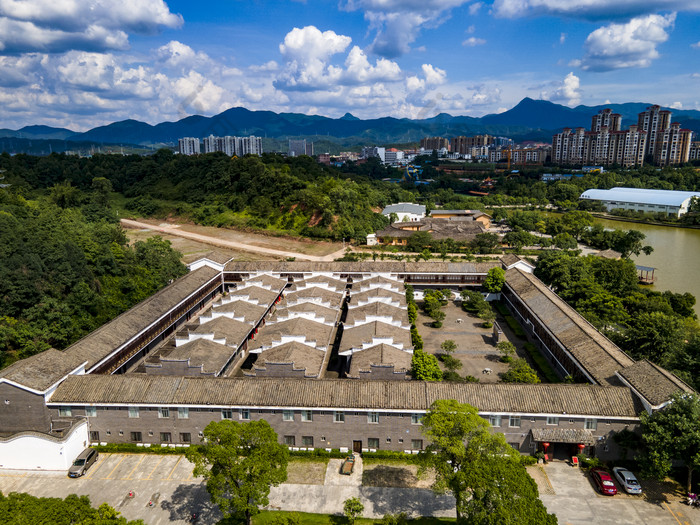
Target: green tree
pixel 484 242
pixel 240 462
pixel 672 434
pixel 520 372
pixel 654 336
pixel 448 346
pixel 353 508
pixel 507 350
pixel 565 241
pixel 418 242
pixel 519 239
pixel 425 367
pixel 495 279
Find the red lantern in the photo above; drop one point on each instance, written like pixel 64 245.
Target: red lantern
pixel 545 445
pixel 581 446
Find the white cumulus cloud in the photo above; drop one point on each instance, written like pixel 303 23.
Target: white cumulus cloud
pixel 567 91
pixel 473 41
pixel 54 26
pixel 632 44
pixel 591 9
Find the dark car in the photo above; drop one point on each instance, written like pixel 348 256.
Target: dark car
pixel 603 481
pixel 83 462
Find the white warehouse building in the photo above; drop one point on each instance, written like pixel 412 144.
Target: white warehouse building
pixel 405 211
pixel 673 203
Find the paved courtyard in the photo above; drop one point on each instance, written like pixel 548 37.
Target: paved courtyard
pixel 166 481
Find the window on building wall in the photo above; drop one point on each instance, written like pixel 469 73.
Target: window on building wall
pixel 94 436
pixel 289 441
pixel 91 411
pixel 339 417
pixel 65 412
pixel 288 415
pixel 165 437
pixel 185 437
pixel 136 437
pixel 183 413
pixel 373 443
pixel 551 420
pixel 226 413
pixel 307 441
pixel 164 412
pixel 133 412
pixel 416 419
pixel 514 422
pixel 245 414
pixel 416 444
pixel 373 417
pixel 591 424
pixel 495 421
pixel 307 415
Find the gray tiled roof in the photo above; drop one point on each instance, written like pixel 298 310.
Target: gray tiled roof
pixel 563 435
pixel 234 331
pixel 357 297
pixel 360 313
pixel 99 344
pixel 249 311
pixel 357 336
pixel 653 382
pixel 312 330
pixel 211 356
pixel 43 370
pixel 301 355
pixel 255 293
pixel 599 356
pixel 587 400
pixel 458 230
pixel 365 267
pixel 379 355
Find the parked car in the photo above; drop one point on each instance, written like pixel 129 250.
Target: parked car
pixel 348 465
pixel 627 480
pixel 603 481
pixel 83 462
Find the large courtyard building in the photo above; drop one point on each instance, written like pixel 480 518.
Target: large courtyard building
pixel 321 351
pixel 670 203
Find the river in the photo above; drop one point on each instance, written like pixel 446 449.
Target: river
pixel 676 255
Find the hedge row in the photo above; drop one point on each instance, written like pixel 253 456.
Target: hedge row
pixel 132 448
pixel 544 368
pixel 515 326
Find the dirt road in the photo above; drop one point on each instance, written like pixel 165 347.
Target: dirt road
pixel 223 243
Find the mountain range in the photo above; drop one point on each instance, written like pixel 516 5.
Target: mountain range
pixel 528 120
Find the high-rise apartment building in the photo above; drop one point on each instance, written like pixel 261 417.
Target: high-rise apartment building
pixel 672 145
pixel 654 121
pixel 463 145
pixel 233 145
pixel 299 147
pixel 435 143
pixel 604 147
pixel 188 146
pixel 606 119
pixel 694 151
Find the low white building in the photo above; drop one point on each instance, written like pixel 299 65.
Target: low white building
pixel 674 203
pixel 405 211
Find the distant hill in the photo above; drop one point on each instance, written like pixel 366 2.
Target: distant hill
pixel 528 120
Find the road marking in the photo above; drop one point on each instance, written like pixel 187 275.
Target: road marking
pixel 115 468
pixel 672 514
pixel 154 468
pixel 137 466
pixel 96 467
pixel 173 470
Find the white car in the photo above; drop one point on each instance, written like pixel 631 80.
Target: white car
pixel 627 480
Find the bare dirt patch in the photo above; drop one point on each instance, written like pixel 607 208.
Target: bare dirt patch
pixel 394 474
pixel 306 472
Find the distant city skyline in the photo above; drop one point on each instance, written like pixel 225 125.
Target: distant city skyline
pixel 80 64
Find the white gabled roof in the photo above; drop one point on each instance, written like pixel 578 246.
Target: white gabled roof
pixel 404 207
pixel 641 196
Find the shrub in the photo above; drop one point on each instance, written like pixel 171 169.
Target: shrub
pixel 394 519
pixel 520 372
pixel 515 326
pixel 587 462
pixel 450 362
pixel 542 364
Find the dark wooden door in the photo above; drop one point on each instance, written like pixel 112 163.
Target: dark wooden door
pixel 357 446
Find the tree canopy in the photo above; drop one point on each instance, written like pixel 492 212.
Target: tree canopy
pixel 495 279
pixel 240 462
pixel 672 433
pixel 483 473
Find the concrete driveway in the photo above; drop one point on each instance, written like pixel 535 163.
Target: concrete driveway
pixel 575 501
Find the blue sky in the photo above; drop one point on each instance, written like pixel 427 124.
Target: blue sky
pixel 83 63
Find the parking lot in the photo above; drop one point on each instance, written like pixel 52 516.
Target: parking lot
pixel 167 482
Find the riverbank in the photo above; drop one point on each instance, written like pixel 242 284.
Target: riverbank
pixel 610 217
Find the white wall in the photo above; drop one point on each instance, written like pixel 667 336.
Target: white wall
pixel 31 451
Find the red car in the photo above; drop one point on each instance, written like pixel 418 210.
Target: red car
pixel 603 481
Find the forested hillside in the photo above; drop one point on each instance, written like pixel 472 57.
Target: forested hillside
pixel 66 268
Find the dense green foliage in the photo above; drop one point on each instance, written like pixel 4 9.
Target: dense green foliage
pixel 239 463
pixel 647 324
pixel 520 372
pixel 672 434
pixel 484 474
pixel 424 366
pixel 19 509
pixel 66 268
pixel 495 279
